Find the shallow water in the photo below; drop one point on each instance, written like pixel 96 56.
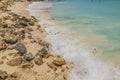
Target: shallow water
pixel 84 25
pixel 97 21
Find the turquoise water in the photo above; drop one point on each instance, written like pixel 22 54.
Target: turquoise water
pixel 98 21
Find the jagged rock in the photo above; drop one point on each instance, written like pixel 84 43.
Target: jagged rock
pixel 2 45
pixel 38 59
pixel 58 61
pixel 27 65
pixel 28 57
pixel 21 48
pixel 3 75
pixel 15 62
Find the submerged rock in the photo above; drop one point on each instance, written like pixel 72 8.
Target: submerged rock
pixel 28 57
pixel 21 48
pixel 38 59
pixel 15 62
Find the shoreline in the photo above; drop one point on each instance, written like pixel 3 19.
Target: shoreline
pixel 83 71
pixel 31 59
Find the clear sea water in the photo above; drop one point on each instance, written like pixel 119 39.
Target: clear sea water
pixel 85 32
pixel 98 21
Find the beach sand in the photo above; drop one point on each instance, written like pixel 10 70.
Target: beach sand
pixel 14 65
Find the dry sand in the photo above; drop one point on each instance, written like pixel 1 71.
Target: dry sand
pixel 46 71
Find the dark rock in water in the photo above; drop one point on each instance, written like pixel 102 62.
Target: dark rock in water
pixel 3 75
pixel 44 52
pixel 23 23
pixel 27 65
pixel 11 41
pixel 38 59
pixel 15 62
pixel 28 57
pixel 21 48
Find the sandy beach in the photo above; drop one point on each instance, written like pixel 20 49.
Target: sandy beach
pixel 24 52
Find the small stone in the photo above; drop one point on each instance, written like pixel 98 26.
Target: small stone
pixel 15 62
pixel 1 62
pixel 38 59
pixel 27 65
pixel 44 53
pixel 58 61
pixel 21 48
pixel 3 75
pixel 28 57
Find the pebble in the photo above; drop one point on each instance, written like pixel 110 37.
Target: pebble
pixel 21 48
pixel 38 59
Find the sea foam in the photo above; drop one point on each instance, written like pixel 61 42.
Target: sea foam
pixel 86 66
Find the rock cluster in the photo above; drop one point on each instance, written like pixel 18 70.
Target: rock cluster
pixel 16 34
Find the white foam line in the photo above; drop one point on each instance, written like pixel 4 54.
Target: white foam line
pixel 86 67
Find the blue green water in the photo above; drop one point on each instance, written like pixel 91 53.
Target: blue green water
pixel 97 20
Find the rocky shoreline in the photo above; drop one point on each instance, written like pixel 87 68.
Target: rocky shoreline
pixel 24 53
